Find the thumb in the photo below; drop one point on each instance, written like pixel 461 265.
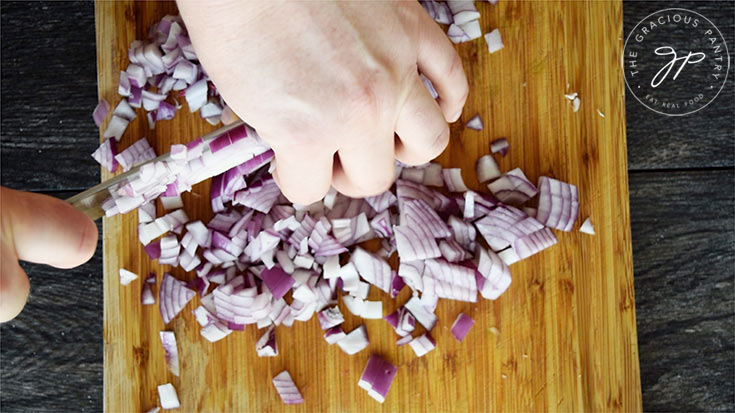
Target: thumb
pixel 41 229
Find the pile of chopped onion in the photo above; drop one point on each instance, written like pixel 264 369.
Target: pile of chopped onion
pixel 264 261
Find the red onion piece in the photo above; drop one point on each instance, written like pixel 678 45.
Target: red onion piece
pixel 421 314
pixel 500 146
pixel 453 180
pixel 126 277
pixel 533 243
pixel 146 294
pixel 487 169
pixel 377 377
pixel 439 11
pixel 558 204
pixel 334 334
pixel 287 389
pixel 447 280
pixel 494 275
pixel 513 187
pixel 100 112
pixel 105 155
pixel 266 345
pixel 173 296
pixel 330 317
pixel 115 128
pixel 168 397
pixel 355 341
pixel 415 243
pixel 493 40
pixel 422 344
pixel 135 154
pixel 168 340
pixel 587 227
pixel 404 340
pixel 372 268
pixel 463 11
pixel 475 123
pixel 462 326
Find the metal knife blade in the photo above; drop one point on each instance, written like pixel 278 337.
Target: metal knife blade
pixel 90 201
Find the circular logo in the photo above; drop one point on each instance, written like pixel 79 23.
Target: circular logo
pixel 675 62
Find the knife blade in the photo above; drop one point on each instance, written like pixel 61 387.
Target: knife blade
pixel 90 201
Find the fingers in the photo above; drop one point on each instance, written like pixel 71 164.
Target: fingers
pixel 438 60
pixel 47 230
pixel 14 285
pixel 366 168
pixel 422 131
pixel 303 174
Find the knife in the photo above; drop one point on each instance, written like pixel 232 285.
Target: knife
pixel 90 201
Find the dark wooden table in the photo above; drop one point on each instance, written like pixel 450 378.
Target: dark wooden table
pixel 681 200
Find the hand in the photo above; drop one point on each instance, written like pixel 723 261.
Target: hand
pixel 332 86
pixel 41 229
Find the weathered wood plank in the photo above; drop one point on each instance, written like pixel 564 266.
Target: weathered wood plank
pixel 683 237
pixel 699 140
pixel 49 89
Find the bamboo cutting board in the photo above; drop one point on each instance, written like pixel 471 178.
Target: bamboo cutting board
pixel 563 336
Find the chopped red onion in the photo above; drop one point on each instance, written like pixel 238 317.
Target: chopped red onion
pixel 558 204
pixel 355 341
pixel 330 317
pixel 513 187
pixel 422 344
pixel 105 155
pixel 587 227
pixel 196 95
pixel 100 112
pixel 494 275
pixel 499 146
pixel 439 11
pixel 124 110
pixel 287 389
pixel 509 256
pixel 534 242
pixel 168 397
pixel 168 340
pixel 135 154
pixel 173 296
pixel 423 316
pixel 334 334
pixel 453 180
pixel 377 377
pixel 415 243
pixel 447 280
pixel 116 127
pixel 413 174
pixel 372 310
pixel 433 175
pixel 487 169
pixel 462 326
pixel 463 11
pixel 475 123
pixel 493 40
pixel 126 277
pixel 460 33
pixel 372 268
pixel 404 340
pixel 266 345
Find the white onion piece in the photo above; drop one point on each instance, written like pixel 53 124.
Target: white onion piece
pixel 460 33
pixel 422 344
pixel 587 227
pixel 168 340
pixel 494 41
pixel 362 291
pixel 168 397
pixel 287 389
pixel 575 104
pixel 196 95
pixel 350 277
pixel 355 341
pixel 126 277
pixel 124 110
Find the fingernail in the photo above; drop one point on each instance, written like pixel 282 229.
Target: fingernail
pixel 455 117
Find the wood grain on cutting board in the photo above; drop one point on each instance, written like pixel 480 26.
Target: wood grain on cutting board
pixel 562 337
